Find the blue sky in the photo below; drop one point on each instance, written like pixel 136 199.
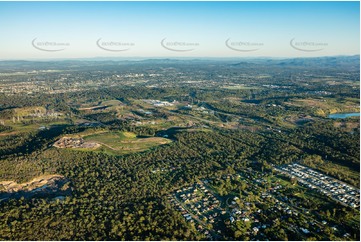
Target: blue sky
pixel 266 28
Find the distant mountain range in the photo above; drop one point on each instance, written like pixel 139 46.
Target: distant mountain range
pixel 352 62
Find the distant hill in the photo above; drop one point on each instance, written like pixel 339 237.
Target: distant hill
pixel 349 62
pixel 333 61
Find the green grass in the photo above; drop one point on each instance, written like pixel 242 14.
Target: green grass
pixel 324 106
pixel 124 142
pixel 111 103
pixel 107 138
pixel 21 128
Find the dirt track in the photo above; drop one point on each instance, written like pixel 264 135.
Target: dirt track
pixel 9 133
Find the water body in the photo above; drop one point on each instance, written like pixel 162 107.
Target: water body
pixel 343 115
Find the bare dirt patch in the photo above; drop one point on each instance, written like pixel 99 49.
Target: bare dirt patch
pixel 44 186
pixel 69 142
pixel 157 140
pixel 12 186
pixel 9 133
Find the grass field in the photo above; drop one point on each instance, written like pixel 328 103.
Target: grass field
pixel 124 142
pixel 325 106
pixel 26 128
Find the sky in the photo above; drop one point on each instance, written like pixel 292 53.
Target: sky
pixel 46 30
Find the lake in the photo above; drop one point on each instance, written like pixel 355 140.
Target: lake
pixel 343 115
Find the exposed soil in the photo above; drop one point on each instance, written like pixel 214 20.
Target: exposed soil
pixel 43 186
pixel 9 133
pixel 69 142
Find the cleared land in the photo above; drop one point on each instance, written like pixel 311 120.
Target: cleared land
pixel 12 186
pixel 325 106
pixel 111 142
pixel 125 142
pixel 68 142
pixel 44 186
